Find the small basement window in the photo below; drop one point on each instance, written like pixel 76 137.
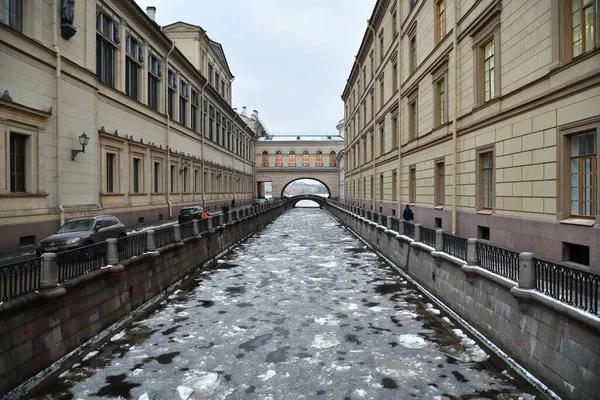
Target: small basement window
pixel 483 232
pixel 25 241
pixel 438 223
pixel 576 253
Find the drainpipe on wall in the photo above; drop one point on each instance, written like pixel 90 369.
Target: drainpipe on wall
pixel 57 112
pixel 232 137
pixel 203 132
pixel 168 166
pixel 454 119
pixel 375 141
pixel 399 175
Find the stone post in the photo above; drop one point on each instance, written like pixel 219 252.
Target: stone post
pixel 195 228
pixel 112 255
pixel 150 246
pixel 439 240
pixel 209 223
pixel 49 271
pixel 220 219
pixel 401 226
pixel 379 219
pixel 417 232
pixel 176 233
pixel 388 225
pixel 526 271
pixel 472 258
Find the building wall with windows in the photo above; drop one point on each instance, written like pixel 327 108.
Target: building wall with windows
pixel 160 134
pixel 520 90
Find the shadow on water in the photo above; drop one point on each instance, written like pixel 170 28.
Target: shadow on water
pixel 117 387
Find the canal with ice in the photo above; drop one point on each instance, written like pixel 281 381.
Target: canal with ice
pixel 301 310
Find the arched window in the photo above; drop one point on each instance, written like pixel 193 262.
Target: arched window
pixel 305 162
pixel 265 159
pixel 278 160
pixel 319 158
pixel 332 159
pixel 292 159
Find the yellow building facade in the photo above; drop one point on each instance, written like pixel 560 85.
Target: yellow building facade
pixel 483 116
pixel 154 104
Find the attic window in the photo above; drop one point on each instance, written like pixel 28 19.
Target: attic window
pixel 328 137
pixel 297 137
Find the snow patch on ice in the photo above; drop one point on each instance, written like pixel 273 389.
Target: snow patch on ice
pixel 330 264
pixel 328 320
pixel 137 371
pixel 184 392
pixel 361 392
pixel 203 381
pixel 270 373
pixel 447 320
pixel 118 336
pixel 474 352
pixel 412 341
pixel 65 373
pixel 90 355
pixel 325 340
pixel 144 397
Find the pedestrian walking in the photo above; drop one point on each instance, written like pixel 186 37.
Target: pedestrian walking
pixel 233 203
pixel 205 213
pixel 408 214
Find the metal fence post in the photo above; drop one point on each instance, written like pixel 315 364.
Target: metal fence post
pixel 49 271
pixel 176 233
pixel 112 256
pixel 439 240
pixel 526 271
pixel 150 244
pixel 417 232
pixel 472 259
pixel 195 228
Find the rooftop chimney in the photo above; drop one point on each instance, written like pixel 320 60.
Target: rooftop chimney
pixel 151 11
pixel 255 113
pixel 244 111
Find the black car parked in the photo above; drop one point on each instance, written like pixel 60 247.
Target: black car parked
pixel 188 214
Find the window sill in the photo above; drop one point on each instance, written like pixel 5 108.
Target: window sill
pixel 578 221
pixel 439 207
pixel 18 195
pixel 112 194
pixel 137 194
pixel 411 204
pixel 485 212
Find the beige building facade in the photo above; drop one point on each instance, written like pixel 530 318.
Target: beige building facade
pixel 483 116
pixel 283 159
pixel 155 105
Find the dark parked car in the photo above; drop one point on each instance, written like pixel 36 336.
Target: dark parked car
pixel 188 214
pixel 82 232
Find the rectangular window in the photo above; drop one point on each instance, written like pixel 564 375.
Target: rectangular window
pixel 381 48
pixel 305 161
pixel 133 64
pixel 412 120
pixel 13 14
pixel 394 132
pixel 196 181
pixel 395 23
pixel 584 29
pixel 412 62
pixel 137 173
pixel 488 71
pixel 319 159
pixel 380 186
pixel 394 186
pixel 183 100
pixel 576 253
pixel 413 3
pixel 292 160
pixel 372 65
pixel 364 151
pixel 372 104
pixel 365 114
pixel 18 148
pixel 486 161
pixel 173 181
pixel 583 174
pixel 332 159
pixel 110 172
pixel 157 175
pixel 194 112
pixel 265 159
pixel 154 72
pixel 395 77
pixel 222 88
pixel 440 183
pixel 440 106
pixel 381 139
pixel 278 159
pixel 440 16
pixel 372 146
pixel 171 94
pixel 106 43
pixel 210 73
pixel 211 122
pixel 381 93
pixel 412 187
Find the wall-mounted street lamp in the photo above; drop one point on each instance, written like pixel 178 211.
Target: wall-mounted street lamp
pixel 184 167
pixel 83 141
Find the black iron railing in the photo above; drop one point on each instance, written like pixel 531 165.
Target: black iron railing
pixel 186 229
pixel 203 225
pixel 132 245
pixel 163 236
pixel 384 219
pixel 227 217
pixel 574 287
pixel 395 224
pixel 409 229
pixel 20 278
pixel 374 217
pixel 427 236
pixel 368 215
pixel 455 246
pixel 72 263
pixel 499 261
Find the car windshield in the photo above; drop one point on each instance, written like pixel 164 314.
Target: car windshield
pixel 187 210
pixel 76 226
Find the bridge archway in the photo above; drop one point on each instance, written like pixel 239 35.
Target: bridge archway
pixel 311 197
pixel 329 193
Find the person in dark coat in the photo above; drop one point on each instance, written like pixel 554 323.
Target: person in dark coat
pixel 408 215
pixel 225 209
pixel 233 203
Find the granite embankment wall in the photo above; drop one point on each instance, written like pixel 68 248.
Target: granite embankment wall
pixel 37 330
pixel 556 343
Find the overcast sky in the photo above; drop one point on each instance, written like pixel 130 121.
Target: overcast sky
pixel 290 58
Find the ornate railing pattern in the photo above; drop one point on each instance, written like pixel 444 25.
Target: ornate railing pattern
pixel 163 236
pixel 428 236
pixel 132 245
pixel 72 263
pixel 499 261
pixel 186 229
pixel 20 278
pixel 409 229
pixel 395 224
pixel 455 246
pixel 577 288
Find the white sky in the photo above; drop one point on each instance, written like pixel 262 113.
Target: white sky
pixel 290 58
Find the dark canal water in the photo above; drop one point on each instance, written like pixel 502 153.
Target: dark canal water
pixel 302 310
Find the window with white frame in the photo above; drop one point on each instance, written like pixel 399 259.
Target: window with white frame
pixel 194 112
pixel 13 14
pixel 107 41
pixel 154 74
pixel 133 65
pixel 172 82
pixel 18 159
pixel 184 93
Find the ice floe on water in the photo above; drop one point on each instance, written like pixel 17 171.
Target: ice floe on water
pixel 474 352
pixel 184 392
pixel 325 340
pixel 361 392
pixel 90 355
pixel 201 381
pixel 327 320
pixel 144 397
pixel 268 375
pixel 118 336
pixel 430 308
pixel 412 341
pixel 330 264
